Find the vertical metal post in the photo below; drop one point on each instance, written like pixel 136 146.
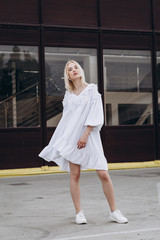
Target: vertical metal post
pixel 155 88
pixel 100 60
pixel 14 101
pixel 100 52
pixel 42 80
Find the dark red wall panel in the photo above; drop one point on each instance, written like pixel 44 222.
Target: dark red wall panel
pixel 70 12
pixel 70 38
pixel 19 11
pixel 19 148
pixel 126 14
pixel 124 144
pixel 19 36
pixel 126 41
pixel 156 12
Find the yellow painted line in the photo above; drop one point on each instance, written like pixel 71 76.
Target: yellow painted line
pixel 130 165
pixel 51 170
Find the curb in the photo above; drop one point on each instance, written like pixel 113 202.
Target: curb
pixel 51 170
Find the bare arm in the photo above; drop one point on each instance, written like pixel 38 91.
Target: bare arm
pixel 83 140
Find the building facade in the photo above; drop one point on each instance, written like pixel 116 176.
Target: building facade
pixel 117 42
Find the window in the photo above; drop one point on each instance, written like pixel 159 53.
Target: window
pixel 55 60
pixel 19 93
pixel 127 87
pixel 158 71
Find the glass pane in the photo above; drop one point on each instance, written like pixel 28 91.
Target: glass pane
pixel 19 97
pixel 55 60
pixel 127 87
pixel 158 68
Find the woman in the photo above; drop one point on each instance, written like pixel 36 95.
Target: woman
pixel 76 143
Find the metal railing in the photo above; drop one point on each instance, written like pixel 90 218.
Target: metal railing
pixel 22 108
pixel 148 111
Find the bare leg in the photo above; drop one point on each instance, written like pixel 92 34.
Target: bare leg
pixel 74 185
pixel 107 188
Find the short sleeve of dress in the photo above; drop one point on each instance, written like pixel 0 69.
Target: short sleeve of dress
pixel 95 116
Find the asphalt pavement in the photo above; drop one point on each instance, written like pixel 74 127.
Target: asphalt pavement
pixel 40 207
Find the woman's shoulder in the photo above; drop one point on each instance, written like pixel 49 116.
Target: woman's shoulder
pixel 94 91
pixel 92 85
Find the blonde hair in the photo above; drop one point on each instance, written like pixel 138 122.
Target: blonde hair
pixel 68 82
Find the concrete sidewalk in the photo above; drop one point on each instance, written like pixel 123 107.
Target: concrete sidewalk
pixel 40 207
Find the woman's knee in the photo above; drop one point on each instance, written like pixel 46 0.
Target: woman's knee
pixel 74 172
pixel 75 176
pixel 103 175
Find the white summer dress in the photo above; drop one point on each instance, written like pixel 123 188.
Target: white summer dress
pixel 78 112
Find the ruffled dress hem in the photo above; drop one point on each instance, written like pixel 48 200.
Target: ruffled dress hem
pixel 62 154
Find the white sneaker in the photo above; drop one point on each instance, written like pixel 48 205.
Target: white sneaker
pixel 118 217
pixel 80 218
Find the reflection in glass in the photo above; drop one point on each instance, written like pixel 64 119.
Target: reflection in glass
pixel 19 98
pixel 127 87
pixel 55 60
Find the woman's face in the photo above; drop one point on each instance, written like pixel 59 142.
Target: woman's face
pixel 74 71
